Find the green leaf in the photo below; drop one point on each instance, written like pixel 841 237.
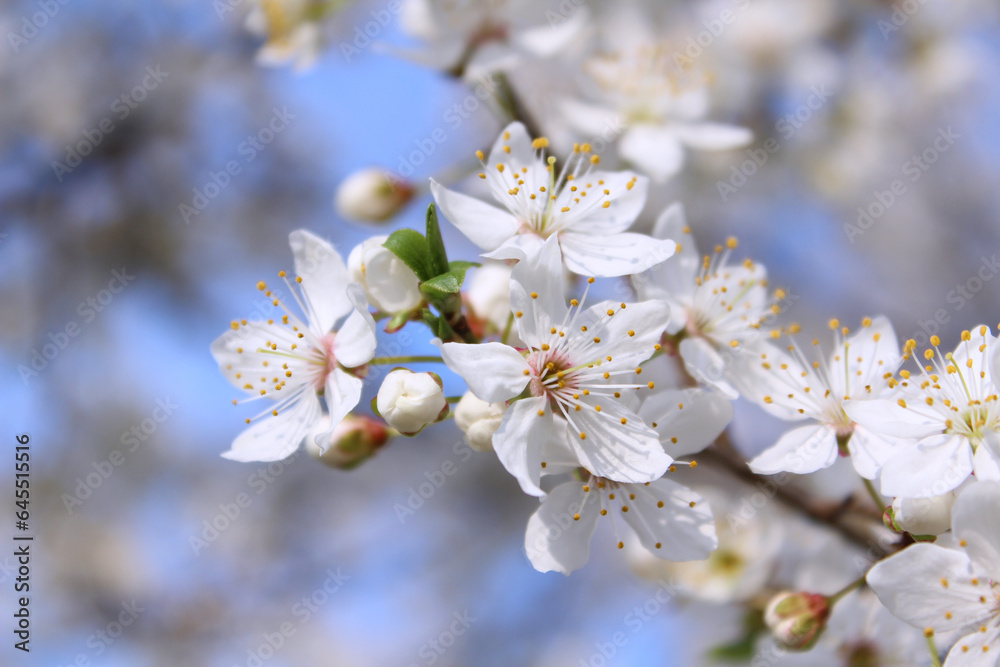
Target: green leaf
pixel 444 285
pixel 459 264
pixel 435 244
pixel 399 321
pixel 412 248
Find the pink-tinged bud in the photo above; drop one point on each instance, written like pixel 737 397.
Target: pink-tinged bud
pixel 797 619
pixel 352 442
pixel 889 520
pixel 372 195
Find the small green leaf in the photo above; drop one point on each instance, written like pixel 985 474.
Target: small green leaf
pixel 459 264
pixel 443 285
pixel 412 248
pixel 399 321
pixel 435 244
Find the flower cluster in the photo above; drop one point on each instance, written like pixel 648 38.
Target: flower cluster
pixel 599 359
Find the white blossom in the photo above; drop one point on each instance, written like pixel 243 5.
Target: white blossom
pixel 291 362
pixel 585 208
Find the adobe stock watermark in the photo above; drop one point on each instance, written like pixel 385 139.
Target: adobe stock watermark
pixel 786 127
pixel 434 648
pixel 33 23
pixel 912 171
pixel 418 495
pixel 101 640
pixel 365 36
pixel 131 440
pixel 902 12
pixel 453 118
pixel 713 28
pixel 88 309
pixel 958 297
pixel 229 512
pixel 634 621
pixel 248 150
pixel 300 613
pixel 121 108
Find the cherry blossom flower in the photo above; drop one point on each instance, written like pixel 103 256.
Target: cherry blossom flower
pixel 572 376
pixel 659 105
pixel 942 590
pixel 585 208
pixel 670 520
pixel 791 386
pixel 715 307
pixel 476 38
pixel 951 413
pixel 292 362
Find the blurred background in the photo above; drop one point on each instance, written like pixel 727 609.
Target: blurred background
pixel 117 270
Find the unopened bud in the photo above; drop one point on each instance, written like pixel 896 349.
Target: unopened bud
pixel 797 619
pixel 352 442
pixel 408 401
pixel 889 520
pixel 924 516
pixel 391 285
pixel 372 195
pixel 478 420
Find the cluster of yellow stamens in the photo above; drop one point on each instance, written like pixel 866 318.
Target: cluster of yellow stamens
pixel 546 200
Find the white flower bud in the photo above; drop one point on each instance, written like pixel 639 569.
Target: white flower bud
pixel 924 516
pixel 372 195
pixel 391 285
pixel 478 420
pixel 408 401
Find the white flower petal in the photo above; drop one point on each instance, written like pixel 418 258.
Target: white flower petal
pixel 234 351
pixel 802 450
pixel 869 451
pixel 546 41
pixel 324 279
pixel 629 452
pixel 706 365
pixel 877 348
pixel 887 417
pixel 627 198
pixel 540 275
pixel 520 439
pixel 653 149
pixel 342 394
pixel 674 279
pixel 273 438
pixel 615 255
pixel 974 521
pixel 909 584
pixel 521 154
pixel 682 529
pixel 490 58
pixel 494 372
pixel 589 119
pixel 973 649
pixel 354 344
pixel 986 465
pixel 930 467
pixel 977 350
pixel 519 247
pixel 485 225
pixel 686 420
pixel 630 334
pixel 555 540
pixel 712 136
